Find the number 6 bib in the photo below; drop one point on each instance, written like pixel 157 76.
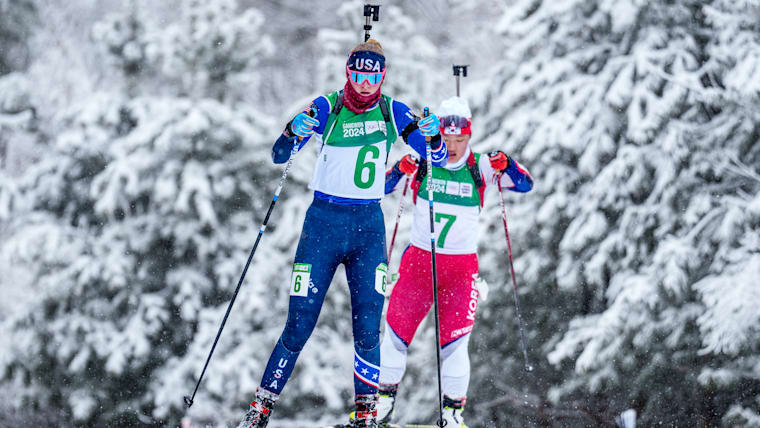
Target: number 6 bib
pixel 353 155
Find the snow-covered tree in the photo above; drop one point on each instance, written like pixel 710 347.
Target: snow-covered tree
pixel 638 121
pixel 214 47
pixel 135 228
pixel 125 43
pixel 137 224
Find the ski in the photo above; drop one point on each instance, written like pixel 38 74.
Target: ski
pixel 384 426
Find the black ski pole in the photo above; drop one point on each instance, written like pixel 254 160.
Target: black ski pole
pixel 528 367
pixel 371 11
pixel 457 70
pixel 429 157
pixel 189 399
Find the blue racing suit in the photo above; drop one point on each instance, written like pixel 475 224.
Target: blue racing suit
pixel 344 225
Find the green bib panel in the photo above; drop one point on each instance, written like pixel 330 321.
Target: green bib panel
pixel 348 129
pixel 453 187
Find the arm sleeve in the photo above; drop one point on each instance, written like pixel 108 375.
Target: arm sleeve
pixel 515 178
pixel 392 178
pixel 404 118
pixel 284 144
pixel 521 179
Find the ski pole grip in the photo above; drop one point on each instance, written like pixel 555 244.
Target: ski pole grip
pixel 373 11
pixel 188 401
pixel 460 69
pixel 426 113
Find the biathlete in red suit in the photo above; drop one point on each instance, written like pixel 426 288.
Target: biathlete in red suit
pixel 458 190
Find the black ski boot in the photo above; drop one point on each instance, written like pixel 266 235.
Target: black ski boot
pixel 365 415
pixel 261 408
pixel 452 412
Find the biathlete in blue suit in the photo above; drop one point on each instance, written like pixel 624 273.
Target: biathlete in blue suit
pixel 355 129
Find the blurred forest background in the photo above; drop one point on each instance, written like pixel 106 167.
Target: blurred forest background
pixel 135 171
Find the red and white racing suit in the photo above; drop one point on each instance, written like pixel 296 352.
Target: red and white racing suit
pixel 457 205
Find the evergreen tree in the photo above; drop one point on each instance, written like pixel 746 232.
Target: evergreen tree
pixel 125 43
pixel 213 48
pixel 135 228
pixel 637 122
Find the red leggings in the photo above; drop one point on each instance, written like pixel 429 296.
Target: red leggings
pixel 412 296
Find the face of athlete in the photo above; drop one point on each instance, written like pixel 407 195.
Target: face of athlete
pixel 457 145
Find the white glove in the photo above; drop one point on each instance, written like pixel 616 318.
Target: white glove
pixel 481 285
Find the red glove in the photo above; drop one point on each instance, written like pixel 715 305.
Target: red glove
pixel 499 160
pixel 407 165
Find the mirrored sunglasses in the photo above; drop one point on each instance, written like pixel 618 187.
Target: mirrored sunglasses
pixel 359 77
pixel 454 121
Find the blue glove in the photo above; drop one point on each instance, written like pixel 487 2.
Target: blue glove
pixel 303 125
pixel 429 125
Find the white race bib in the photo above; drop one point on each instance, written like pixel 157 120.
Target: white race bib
pixel 381 278
pixel 299 281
